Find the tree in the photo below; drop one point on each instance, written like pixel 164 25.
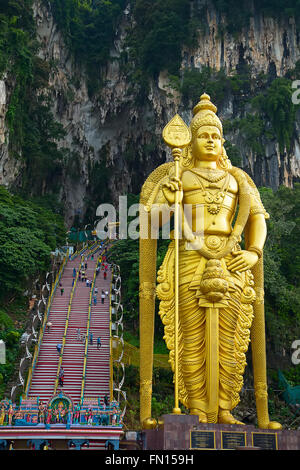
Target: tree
pixel 282 266
pixel 28 234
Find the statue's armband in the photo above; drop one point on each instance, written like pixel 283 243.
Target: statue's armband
pixel 256 205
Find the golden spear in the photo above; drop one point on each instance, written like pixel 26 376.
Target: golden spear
pixel 176 135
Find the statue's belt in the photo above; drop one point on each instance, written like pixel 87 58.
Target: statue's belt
pixel 212 243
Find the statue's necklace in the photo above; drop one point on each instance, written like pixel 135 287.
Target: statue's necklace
pixel 215 200
pixel 212 176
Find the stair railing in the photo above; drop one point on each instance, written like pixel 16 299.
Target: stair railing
pixel 117 312
pixel 87 335
pixel 95 248
pixel 111 359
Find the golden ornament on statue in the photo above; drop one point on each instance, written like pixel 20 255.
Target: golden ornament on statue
pixel 176 134
pixel 149 423
pixel 210 289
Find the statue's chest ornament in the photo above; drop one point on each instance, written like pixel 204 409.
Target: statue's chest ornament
pixel 214 189
pixel 214 201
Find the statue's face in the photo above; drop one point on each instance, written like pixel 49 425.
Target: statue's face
pixel 207 143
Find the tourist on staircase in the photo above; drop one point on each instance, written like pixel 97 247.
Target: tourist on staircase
pixel 61 377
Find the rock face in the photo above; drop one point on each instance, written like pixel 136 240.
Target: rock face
pixel 115 132
pixel 9 168
pixel 269 45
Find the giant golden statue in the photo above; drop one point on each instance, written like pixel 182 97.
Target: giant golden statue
pixel 210 290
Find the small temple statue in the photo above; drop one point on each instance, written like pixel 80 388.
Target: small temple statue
pixel 2 414
pixel 210 288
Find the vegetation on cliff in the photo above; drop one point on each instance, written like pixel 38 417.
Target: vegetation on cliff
pixel 29 231
pixel 239 12
pixel 33 132
pixel 89 29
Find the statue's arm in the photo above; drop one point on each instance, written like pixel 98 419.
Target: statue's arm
pixel 257 233
pixel 162 206
pixel 256 237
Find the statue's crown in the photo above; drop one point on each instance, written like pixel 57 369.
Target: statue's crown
pixel 204 104
pixel 205 115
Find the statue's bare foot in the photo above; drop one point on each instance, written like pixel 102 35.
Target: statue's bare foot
pixel 201 414
pixel 225 417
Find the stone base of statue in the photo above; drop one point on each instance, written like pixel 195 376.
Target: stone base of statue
pixel 184 432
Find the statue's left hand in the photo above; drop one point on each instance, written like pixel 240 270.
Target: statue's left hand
pixel 242 261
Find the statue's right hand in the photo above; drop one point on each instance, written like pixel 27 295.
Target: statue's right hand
pixel 169 190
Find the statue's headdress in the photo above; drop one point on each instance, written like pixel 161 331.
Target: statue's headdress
pixel 205 115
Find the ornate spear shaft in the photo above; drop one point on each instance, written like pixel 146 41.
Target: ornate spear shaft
pixel 176 152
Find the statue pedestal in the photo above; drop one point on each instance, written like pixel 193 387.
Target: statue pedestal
pixel 184 432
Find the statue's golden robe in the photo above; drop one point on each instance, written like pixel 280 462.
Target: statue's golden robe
pixel 235 319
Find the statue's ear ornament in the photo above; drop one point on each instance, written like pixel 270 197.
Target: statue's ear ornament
pixel 223 162
pixel 187 157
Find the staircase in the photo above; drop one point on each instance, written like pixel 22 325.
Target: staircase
pixel 73 354
pixel 97 377
pixel 43 379
pixel 98 360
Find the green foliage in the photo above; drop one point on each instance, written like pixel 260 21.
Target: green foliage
pixel 238 12
pixel 28 233
pixel 10 332
pixel 89 29
pixel 216 83
pixel 160 407
pixel 39 148
pixel 277 8
pixel 163 392
pixel 33 132
pixel 233 154
pixel 252 128
pixel 276 104
pixel 154 43
pixel 126 254
pixel 293 74
pixel 98 188
pixel 162 397
pixel 5 320
pixel 156 38
pixel 129 337
pixel 16 34
pixel 12 338
pixel 162 27
pixel 282 266
pixel 270 114
pixel 196 82
pixel 293 375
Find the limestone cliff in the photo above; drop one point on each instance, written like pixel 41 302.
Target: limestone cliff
pixel 113 131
